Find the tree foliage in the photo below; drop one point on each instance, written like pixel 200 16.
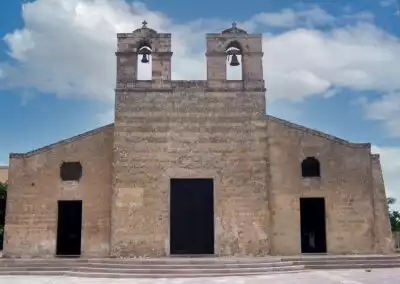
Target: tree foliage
pixel 394 215
pixel 3 190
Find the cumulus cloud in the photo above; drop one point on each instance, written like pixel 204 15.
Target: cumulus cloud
pixel 359 57
pixel 391 167
pixel 67 46
pixel 385 109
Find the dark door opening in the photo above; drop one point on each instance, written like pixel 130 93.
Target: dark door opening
pixel 69 228
pixel 192 216
pixel 313 231
pixel 2 219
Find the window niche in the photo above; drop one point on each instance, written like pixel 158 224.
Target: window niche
pixel 71 171
pixel 234 64
pixel 145 63
pixel 310 167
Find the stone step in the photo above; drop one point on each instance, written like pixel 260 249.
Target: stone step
pixel 150 261
pixel 346 262
pixel 342 258
pixel 152 270
pixel 151 274
pixel 134 265
pixel 189 267
pixel 351 266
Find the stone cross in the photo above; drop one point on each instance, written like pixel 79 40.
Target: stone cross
pixel 234 24
pixel 144 23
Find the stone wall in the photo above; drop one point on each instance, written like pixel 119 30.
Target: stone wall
pixel 35 187
pixel 346 183
pixel 196 129
pixel 190 132
pixel 383 231
pixel 3 174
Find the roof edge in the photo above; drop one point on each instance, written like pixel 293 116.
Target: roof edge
pixel 59 143
pixel 318 133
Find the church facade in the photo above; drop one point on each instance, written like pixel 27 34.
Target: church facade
pixel 195 167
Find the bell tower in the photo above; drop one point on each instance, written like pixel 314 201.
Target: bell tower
pixel 138 47
pixel 135 101
pixel 225 47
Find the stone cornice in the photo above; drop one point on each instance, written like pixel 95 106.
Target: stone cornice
pixel 207 90
pixel 220 35
pixel 140 35
pixel 61 142
pixel 130 52
pixel 317 133
pixel 223 53
pixel 203 85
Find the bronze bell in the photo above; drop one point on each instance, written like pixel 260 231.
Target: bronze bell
pixel 145 59
pixel 234 60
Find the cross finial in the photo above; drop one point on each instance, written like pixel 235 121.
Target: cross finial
pixel 234 24
pixel 144 23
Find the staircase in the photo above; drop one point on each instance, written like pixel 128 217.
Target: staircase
pixel 323 262
pixel 190 267
pixel 147 268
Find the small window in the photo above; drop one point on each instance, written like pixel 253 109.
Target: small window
pixel 310 167
pixel 71 171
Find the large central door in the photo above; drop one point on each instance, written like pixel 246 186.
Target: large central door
pixel 69 228
pixel 192 216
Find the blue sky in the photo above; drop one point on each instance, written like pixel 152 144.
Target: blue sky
pixel 329 65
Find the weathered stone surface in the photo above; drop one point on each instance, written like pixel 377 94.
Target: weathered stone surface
pixel 204 129
pixel 35 187
pixel 3 173
pixel 346 183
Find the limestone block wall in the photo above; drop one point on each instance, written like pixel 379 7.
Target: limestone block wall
pixel 35 187
pixel 383 231
pixel 3 174
pixel 189 131
pixel 346 183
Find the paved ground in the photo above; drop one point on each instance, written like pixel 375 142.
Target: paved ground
pixel 378 276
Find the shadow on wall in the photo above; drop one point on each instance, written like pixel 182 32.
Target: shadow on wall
pixel 3 198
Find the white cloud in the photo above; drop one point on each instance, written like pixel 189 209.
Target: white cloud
pixel 289 18
pixel 314 16
pixel 390 161
pixel 387 3
pixel 67 47
pixel 385 109
pixel 306 62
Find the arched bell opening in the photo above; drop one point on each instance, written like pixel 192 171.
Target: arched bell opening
pixel 144 66
pixel 234 64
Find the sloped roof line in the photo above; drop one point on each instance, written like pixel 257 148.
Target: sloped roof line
pixel 318 133
pixel 61 142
